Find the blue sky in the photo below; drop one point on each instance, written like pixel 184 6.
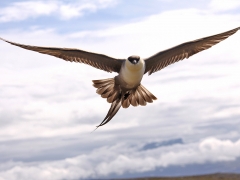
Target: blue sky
pixel 48 107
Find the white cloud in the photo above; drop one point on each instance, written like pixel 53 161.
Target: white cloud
pixel 23 10
pixel 224 5
pixel 79 9
pixel 28 9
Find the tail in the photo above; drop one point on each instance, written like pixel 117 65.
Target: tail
pixel 107 88
pixel 115 106
pixel 138 96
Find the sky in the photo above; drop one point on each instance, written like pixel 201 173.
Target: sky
pixel 49 108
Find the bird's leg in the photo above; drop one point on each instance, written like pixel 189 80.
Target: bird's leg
pixel 126 95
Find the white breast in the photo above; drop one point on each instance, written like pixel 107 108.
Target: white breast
pixel 132 74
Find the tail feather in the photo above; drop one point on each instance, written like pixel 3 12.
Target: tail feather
pixel 113 96
pixel 133 99
pixel 149 94
pixel 108 89
pixel 139 96
pixel 142 101
pixel 102 82
pixel 144 96
pixel 126 103
pixel 115 106
pixel 104 89
pixel 106 94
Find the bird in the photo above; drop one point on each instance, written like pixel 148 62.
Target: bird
pixel 126 89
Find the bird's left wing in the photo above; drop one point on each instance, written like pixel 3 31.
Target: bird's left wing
pixel 99 61
pixel 182 51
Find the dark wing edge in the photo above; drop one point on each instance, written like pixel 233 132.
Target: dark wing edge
pixel 182 51
pixel 98 61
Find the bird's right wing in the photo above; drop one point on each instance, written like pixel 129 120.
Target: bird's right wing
pixel 182 51
pixel 99 61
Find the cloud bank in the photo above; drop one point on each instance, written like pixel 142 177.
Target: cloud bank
pixel 122 158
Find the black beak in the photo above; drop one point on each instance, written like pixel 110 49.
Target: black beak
pixel 134 61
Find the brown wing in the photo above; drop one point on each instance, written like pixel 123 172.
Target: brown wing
pixel 99 61
pixel 182 51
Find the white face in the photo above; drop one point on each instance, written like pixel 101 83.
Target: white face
pixel 134 63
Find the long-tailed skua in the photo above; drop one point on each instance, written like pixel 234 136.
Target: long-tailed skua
pixel 126 89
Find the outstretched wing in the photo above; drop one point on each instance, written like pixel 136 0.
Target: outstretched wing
pixel 182 51
pixel 99 61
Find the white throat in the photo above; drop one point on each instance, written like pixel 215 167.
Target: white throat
pixel 132 74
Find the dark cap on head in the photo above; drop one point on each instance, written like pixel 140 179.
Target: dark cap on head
pixel 134 59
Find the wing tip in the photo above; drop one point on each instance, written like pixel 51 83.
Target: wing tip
pixel 3 39
pixel 7 41
pixel 235 30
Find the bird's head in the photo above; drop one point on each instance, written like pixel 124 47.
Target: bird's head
pixel 133 59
